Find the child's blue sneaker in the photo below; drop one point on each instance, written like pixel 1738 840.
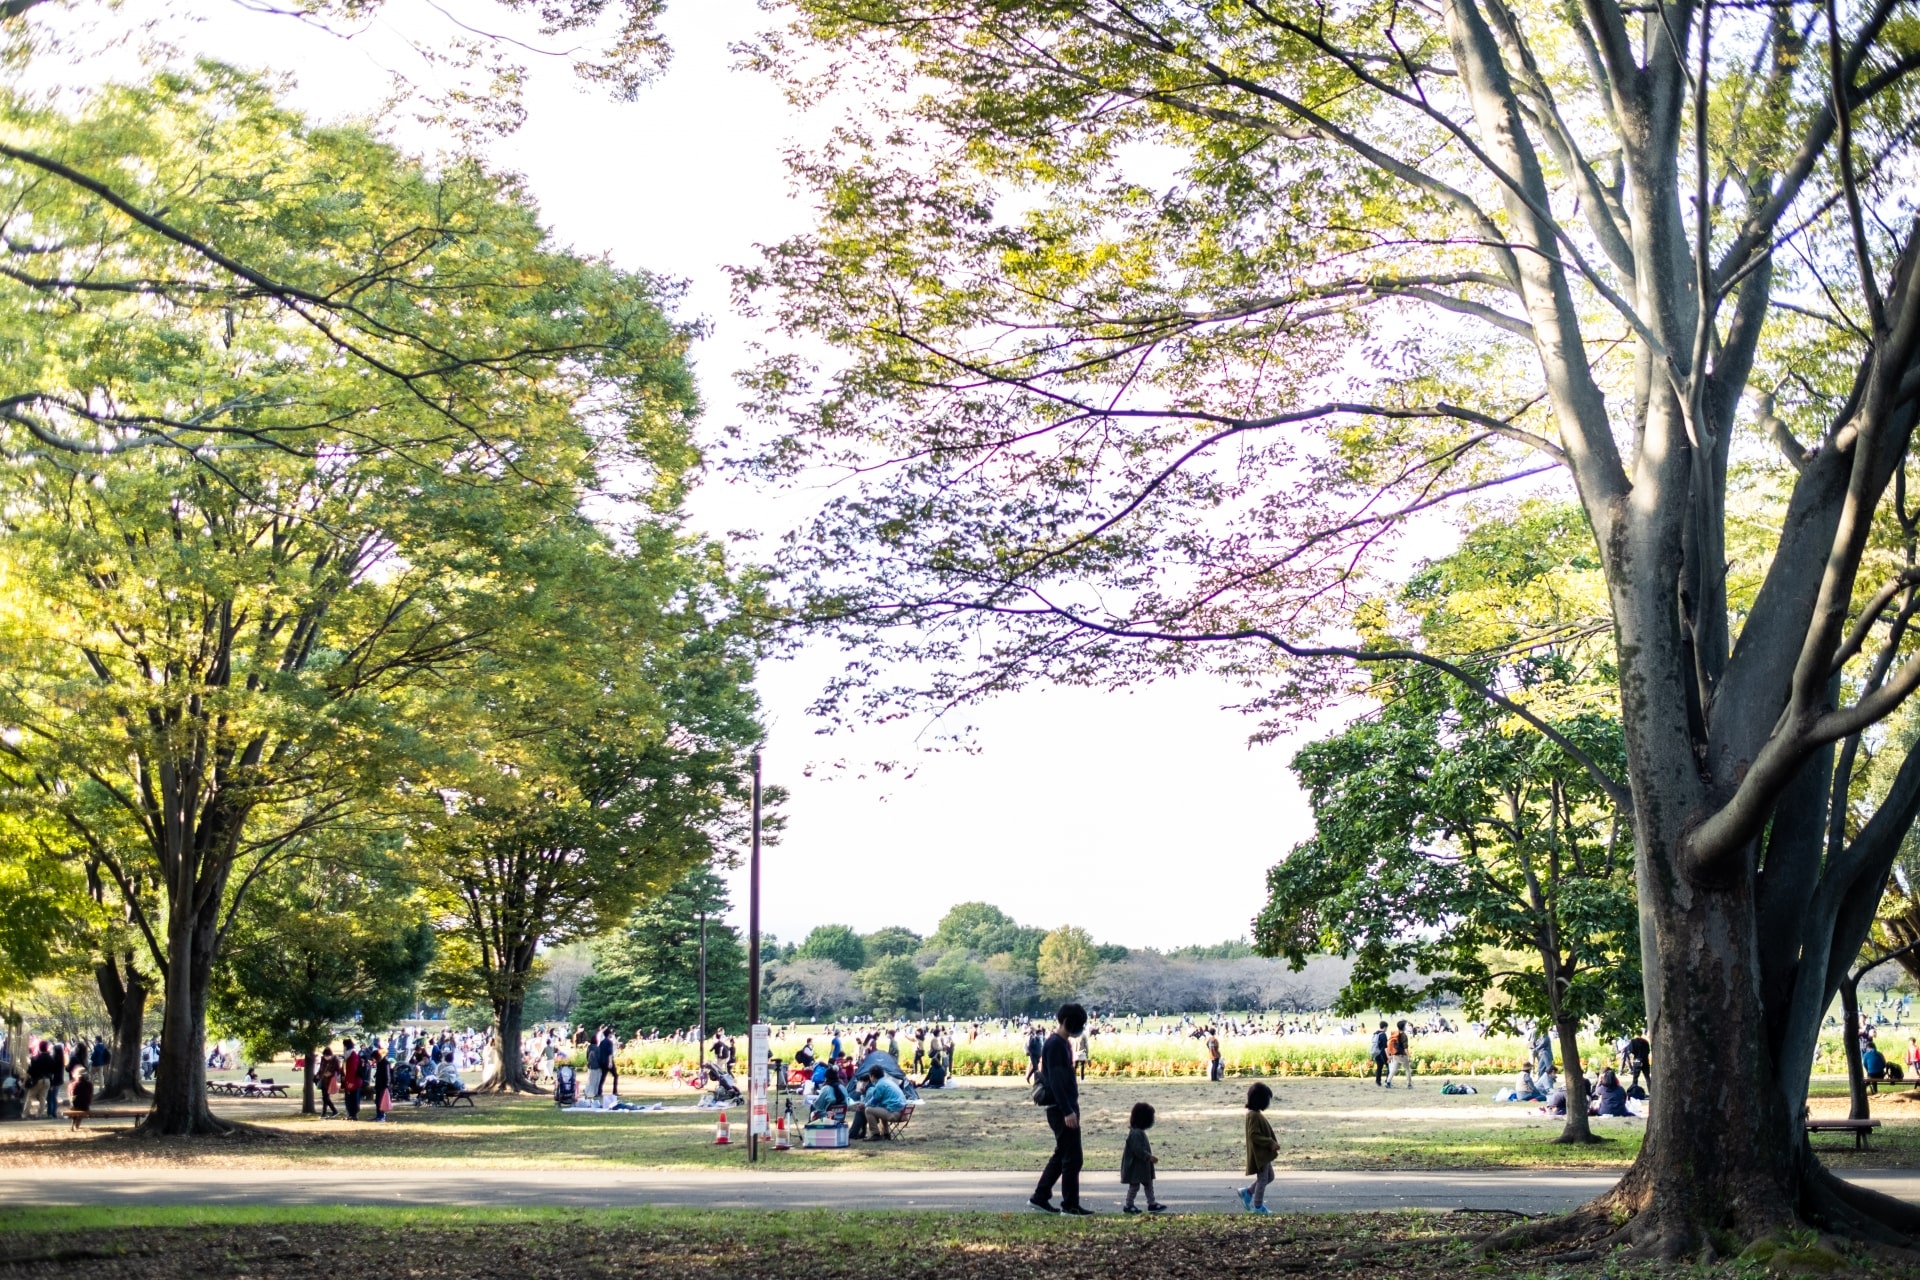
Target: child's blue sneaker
pixel 1246 1198
pixel 1260 1208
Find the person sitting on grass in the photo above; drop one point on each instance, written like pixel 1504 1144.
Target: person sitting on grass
pixel 1525 1090
pixel 881 1103
pixel 1609 1099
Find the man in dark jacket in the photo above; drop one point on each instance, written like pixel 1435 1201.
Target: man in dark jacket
pixel 1063 1117
pixel 58 1084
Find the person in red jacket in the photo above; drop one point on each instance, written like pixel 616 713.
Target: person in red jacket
pixel 352 1072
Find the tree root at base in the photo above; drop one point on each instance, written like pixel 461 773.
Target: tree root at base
pixel 509 1086
pixel 1579 1140
pixel 1846 1218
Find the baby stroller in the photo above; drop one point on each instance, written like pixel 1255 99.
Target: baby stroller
pixel 725 1091
pixel 404 1084
pixel 564 1089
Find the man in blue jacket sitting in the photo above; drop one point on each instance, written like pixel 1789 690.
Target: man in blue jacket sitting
pixel 882 1103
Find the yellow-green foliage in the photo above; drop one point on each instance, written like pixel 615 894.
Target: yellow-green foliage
pixel 1146 1056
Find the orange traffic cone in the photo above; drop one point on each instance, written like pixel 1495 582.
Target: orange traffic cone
pixel 720 1138
pixel 780 1142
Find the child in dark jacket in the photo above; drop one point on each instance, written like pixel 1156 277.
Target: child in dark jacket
pixel 1137 1159
pixel 1262 1147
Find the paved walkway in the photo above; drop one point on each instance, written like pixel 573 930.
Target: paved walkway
pixel 1530 1191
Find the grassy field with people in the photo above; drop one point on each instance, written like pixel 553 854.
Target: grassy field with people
pixel 978 1125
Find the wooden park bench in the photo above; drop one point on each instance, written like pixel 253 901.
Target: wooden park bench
pixel 1858 1128
pixel 77 1118
pixel 247 1089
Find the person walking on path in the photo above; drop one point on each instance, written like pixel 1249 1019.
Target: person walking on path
pixel 1216 1069
pixel 1137 1159
pixel 1400 1053
pixel 1378 1052
pixel 1035 1043
pixel 1262 1147
pixel 1061 1095
pixel 1082 1050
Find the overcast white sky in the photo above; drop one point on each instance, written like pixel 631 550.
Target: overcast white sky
pixel 1144 817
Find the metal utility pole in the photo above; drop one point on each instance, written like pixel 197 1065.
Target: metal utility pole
pixel 753 939
pixel 703 995
pixel 753 905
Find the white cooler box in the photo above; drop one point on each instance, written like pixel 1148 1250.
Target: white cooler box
pixel 823 1134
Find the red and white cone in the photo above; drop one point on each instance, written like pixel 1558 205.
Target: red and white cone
pixel 780 1142
pixel 720 1138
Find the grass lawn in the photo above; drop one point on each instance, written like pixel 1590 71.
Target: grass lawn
pixel 1323 1124
pixel 514 1244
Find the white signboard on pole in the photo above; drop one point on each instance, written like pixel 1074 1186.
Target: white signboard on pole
pixel 758 1125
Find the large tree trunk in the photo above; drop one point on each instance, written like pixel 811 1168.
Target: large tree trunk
pixel 509 1074
pixel 1722 1159
pixel 180 1084
pixel 125 995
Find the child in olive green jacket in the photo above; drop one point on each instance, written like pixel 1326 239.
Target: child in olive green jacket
pixel 1262 1147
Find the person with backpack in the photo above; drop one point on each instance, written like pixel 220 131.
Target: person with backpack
pixel 351 1068
pixel 1377 1052
pixel 1400 1053
pixel 1059 1092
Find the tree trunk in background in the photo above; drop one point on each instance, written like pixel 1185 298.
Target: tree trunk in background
pixel 1850 1045
pixel 509 1072
pixel 125 995
pixel 1577 1129
pixel 307 1105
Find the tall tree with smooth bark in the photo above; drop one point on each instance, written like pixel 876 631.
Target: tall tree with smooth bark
pixel 294 429
pixel 1157 324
